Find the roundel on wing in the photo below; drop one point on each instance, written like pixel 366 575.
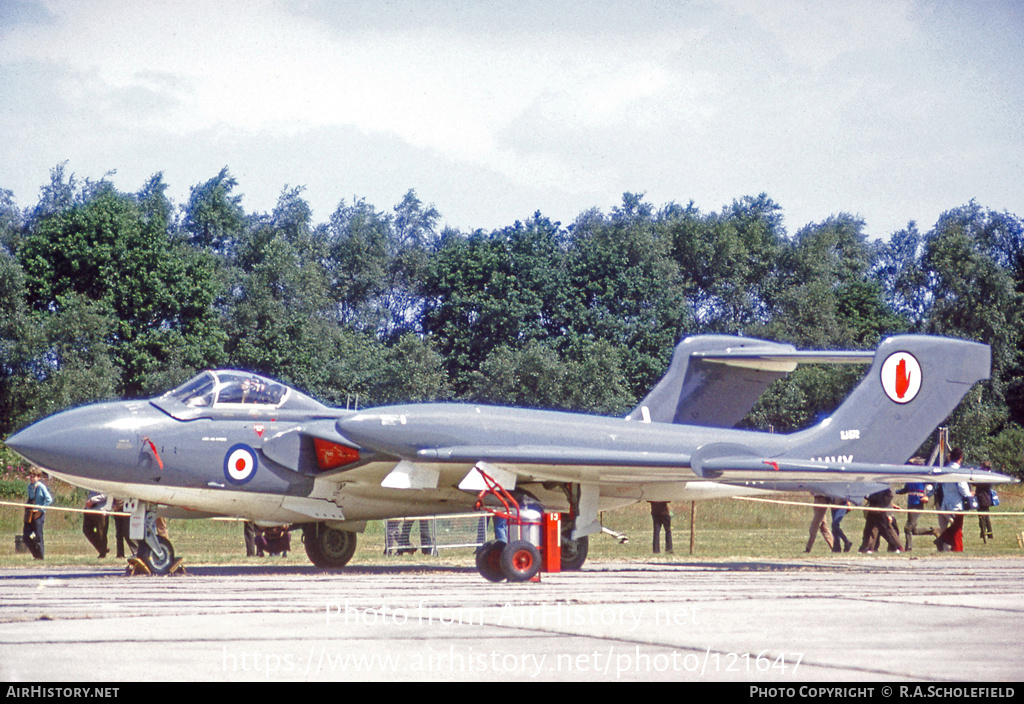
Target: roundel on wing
pixel 901 377
pixel 240 464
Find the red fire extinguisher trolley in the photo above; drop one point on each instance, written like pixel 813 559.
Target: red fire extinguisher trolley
pixel 533 538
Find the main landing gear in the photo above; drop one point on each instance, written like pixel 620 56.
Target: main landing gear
pixel 327 547
pixel 574 552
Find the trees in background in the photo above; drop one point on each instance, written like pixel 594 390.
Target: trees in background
pixel 108 294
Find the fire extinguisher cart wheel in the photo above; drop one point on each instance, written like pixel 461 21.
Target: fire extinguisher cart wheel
pixel 520 561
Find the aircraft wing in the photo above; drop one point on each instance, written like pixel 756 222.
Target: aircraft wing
pixel 567 463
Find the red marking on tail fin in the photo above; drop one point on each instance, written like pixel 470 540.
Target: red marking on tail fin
pixel 902 379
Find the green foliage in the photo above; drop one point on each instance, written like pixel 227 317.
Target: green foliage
pixel 10 222
pixel 411 371
pixel 827 299
pixel 11 464
pixel 116 250
pixel 486 291
pixel 214 218
pixel 900 273
pixel 357 238
pixel 588 379
pixel 625 289
pixel 66 359
pixel 972 296
pixel 12 490
pixel 806 396
pixel 1006 451
pixel 727 261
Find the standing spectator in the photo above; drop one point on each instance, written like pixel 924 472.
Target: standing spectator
pixel 122 528
pixel 818 523
pixel 661 516
pixel 38 495
pixel 955 456
pixel 879 523
pixel 952 538
pixel 953 495
pixel 249 535
pixel 984 494
pixel 840 543
pixel 917 498
pixel 426 543
pixel 95 525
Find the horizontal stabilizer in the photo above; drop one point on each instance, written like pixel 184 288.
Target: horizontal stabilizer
pixel 766 360
pixel 915 382
pixel 774 469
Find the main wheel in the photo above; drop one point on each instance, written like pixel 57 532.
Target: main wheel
pixel 488 560
pixel 328 547
pixel 157 562
pixel 574 552
pixel 520 561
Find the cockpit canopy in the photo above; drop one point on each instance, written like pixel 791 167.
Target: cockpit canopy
pixel 228 390
pixel 219 387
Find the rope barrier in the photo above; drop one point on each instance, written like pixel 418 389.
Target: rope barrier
pixel 51 507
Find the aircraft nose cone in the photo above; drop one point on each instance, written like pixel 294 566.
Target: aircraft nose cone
pixel 52 442
pixel 25 441
pixel 80 442
pixel 40 442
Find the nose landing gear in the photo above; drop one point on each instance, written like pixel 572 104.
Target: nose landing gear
pixel 155 554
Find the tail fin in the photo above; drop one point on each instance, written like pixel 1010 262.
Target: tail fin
pixel 914 383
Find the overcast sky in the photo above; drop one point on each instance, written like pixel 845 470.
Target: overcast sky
pixel 892 111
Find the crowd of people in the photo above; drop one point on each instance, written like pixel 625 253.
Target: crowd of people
pixel 950 499
pixel 95 520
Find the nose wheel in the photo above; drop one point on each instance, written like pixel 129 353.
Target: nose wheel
pixel 155 551
pixel 158 561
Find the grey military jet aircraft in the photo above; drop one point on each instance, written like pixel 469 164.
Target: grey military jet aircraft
pixel 232 443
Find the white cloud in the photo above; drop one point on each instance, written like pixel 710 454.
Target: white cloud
pixel 825 106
